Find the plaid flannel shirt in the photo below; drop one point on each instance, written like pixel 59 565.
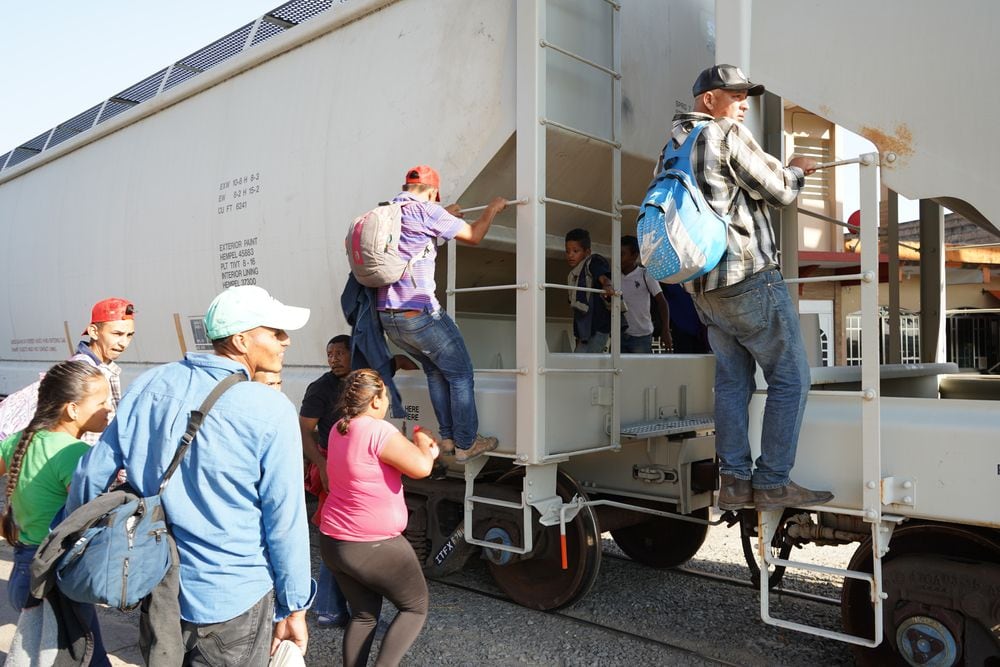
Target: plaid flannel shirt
pixel 740 180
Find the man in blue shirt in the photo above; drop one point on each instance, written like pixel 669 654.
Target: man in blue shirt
pixel 235 505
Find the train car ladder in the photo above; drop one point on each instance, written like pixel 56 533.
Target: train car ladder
pixel 882 525
pixel 531 368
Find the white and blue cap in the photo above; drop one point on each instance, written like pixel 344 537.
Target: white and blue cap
pixel 247 307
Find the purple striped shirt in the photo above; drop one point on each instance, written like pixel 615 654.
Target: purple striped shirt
pixel 423 222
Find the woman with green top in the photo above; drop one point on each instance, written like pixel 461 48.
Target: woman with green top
pixel 39 461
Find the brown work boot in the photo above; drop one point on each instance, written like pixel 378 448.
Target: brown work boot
pixel 480 446
pixel 789 495
pixel 447 446
pixel 735 493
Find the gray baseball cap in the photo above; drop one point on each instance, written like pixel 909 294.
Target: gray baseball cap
pixel 725 77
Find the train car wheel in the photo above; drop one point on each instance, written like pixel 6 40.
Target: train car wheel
pixel 538 581
pixel 662 542
pixel 940 607
pixel 780 548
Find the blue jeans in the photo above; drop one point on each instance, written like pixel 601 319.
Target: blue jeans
pixel 329 600
pixel 19 593
pixel 593 345
pixel 20 576
pixel 637 344
pixel 435 341
pixel 754 322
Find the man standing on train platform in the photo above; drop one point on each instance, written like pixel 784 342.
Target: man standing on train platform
pixel 412 317
pixel 111 329
pixel 743 301
pixel 235 506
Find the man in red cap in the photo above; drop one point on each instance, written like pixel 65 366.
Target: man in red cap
pixel 412 317
pixel 111 328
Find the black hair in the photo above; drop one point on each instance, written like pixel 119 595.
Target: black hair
pixel 581 236
pixel 631 242
pixel 342 339
pixel 66 382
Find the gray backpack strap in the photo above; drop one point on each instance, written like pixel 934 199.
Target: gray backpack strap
pixel 195 421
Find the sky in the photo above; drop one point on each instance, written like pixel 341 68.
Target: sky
pixel 61 57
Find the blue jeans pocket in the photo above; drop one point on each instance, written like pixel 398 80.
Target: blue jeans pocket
pixel 744 314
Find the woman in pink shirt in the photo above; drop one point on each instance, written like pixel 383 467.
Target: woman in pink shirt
pixel 364 517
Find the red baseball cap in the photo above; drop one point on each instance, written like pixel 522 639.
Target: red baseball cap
pixel 425 175
pixel 111 310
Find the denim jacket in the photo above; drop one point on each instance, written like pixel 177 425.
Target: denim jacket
pixel 368 346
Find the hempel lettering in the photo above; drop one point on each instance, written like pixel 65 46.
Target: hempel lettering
pixel 238 262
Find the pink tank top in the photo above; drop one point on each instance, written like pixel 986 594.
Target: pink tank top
pixel 366 502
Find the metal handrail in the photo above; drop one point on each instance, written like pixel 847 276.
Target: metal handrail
pixel 542 370
pixel 574 288
pixel 579 207
pixel 582 133
pixel 865 276
pixel 486 288
pixel 483 207
pixel 549 45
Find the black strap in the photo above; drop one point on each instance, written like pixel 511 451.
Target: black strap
pixel 195 421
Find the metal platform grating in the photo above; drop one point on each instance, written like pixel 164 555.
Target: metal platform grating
pixel 144 90
pixel 113 108
pixel 300 11
pixel 61 134
pixel 266 31
pixel 35 144
pixel 223 49
pixel 660 427
pixel 180 75
pixel 286 16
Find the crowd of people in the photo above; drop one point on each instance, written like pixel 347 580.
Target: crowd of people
pixel 236 508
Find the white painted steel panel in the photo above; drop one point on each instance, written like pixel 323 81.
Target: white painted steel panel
pixel 948 447
pixel 913 76
pixel 319 123
pixel 270 165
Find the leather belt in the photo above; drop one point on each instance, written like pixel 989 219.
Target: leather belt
pixel 405 312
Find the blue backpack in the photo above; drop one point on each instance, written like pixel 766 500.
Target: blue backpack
pixel 680 236
pixel 115 549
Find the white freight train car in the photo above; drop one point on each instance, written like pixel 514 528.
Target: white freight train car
pixel 250 171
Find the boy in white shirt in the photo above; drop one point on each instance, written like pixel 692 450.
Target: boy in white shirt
pixel 637 287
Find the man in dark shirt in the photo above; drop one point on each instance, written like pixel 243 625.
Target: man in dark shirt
pixel 318 413
pixel 316 417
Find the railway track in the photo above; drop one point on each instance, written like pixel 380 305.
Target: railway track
pixel 684 648
pixel 592 625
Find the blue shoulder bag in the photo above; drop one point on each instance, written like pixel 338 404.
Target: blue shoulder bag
pixel 114 550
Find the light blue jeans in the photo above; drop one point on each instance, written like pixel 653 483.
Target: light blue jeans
pixel 754 322
pixel 435 341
